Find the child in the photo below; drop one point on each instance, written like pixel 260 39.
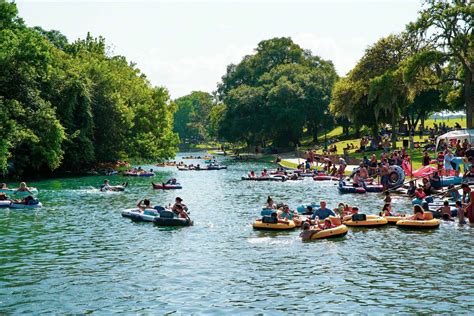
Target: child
pixel 460 212
pixel 326 225
pixel 445 211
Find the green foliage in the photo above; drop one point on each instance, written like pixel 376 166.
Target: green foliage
pixel 275 94
pixel 71 105
pixel 192 117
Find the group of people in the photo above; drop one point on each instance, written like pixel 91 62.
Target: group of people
pixel 23 188
pixel 178 208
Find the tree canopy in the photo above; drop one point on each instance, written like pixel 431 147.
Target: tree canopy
pixel 70 105
pixel 275 95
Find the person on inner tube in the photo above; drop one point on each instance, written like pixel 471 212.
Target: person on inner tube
pixel 179 202
pixel 144 204
pixel 323 212
pixel 386 210
pixel 181 213
pixel 418 213
pixel 285 215
pixel 24 188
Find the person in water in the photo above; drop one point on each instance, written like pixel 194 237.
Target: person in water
pixel 24 188
pixel 106 186
pixel 270 204
pixel 445 211
pixel 323 212
pixel 144 204
pixel 307 232
pixel 418 215
pixel 466 193
pixel 309 210
pixel 386 210
pixel 460 209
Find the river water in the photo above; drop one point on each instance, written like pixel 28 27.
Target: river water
pixel 78 255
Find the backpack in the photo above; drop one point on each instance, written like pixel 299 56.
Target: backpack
pixel 269 219
pixel 358 217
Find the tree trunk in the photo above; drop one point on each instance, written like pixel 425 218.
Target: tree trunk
pixel 394 131
pixel 469 97
pixel 314 132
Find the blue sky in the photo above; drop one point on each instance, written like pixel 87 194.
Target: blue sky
pixel 186 45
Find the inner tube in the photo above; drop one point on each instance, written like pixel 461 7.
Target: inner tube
pixel 258 224
pixel 5 203
pixel 335 232
pixel 302 208
pixel 374 188
pixel 396 176
pixel 166 186
pixel 343 188
pixel 114 188
pixel 132 213
pixel 159 221
pixel 264 179
pixel 392 220
pixel 417 224
pixel 325 178
pixel 25 206
pixel 370 221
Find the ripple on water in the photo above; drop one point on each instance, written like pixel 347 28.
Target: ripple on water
pixel 78 255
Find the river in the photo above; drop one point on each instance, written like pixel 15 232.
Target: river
pixel 78 255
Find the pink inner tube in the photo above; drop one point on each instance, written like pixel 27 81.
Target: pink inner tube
pixel 325 178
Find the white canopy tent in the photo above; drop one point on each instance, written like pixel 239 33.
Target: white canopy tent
pixel 460 134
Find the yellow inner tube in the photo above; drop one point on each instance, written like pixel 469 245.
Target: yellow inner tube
pixel 394 219
pixel 338 231
pixel 432 223
pixel 278 226
pixel 369 222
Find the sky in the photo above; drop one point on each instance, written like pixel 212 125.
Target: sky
pixel 186 45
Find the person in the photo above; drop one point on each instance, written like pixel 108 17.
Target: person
pixel 411 189
pixel 419 193
pixel 24 188
pixel 144 204
pixel 448 162
pixel 418 213
pixel 373 165
pixel 179 201
pixel 270 204
pixel 285 214
pixel 326 225
pixel 181 213
pixel 4 197
pixel 386 210
pixel 426 159
pixel 333 171
pixel 309 210
pixel 3 186
pixel 384 176
pixel 426 186
pixel 445 211
pixel 363 172
pixel 105 186
pixel 307 232
pixel 358 181
pixel 322 212
pixel 435 181
pixel 264 173
pixel 388 198
pixel 354 210
pixel 460 209
pixel 466 193
pixel 339 210
pixel 453 193
pixel 252 174
pixel 171 181
pixel 342 167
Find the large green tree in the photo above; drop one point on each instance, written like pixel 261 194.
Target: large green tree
pixel 445 32
pixel 275 95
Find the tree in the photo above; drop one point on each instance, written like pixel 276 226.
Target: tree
pixel 273 95
pixel 445 29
